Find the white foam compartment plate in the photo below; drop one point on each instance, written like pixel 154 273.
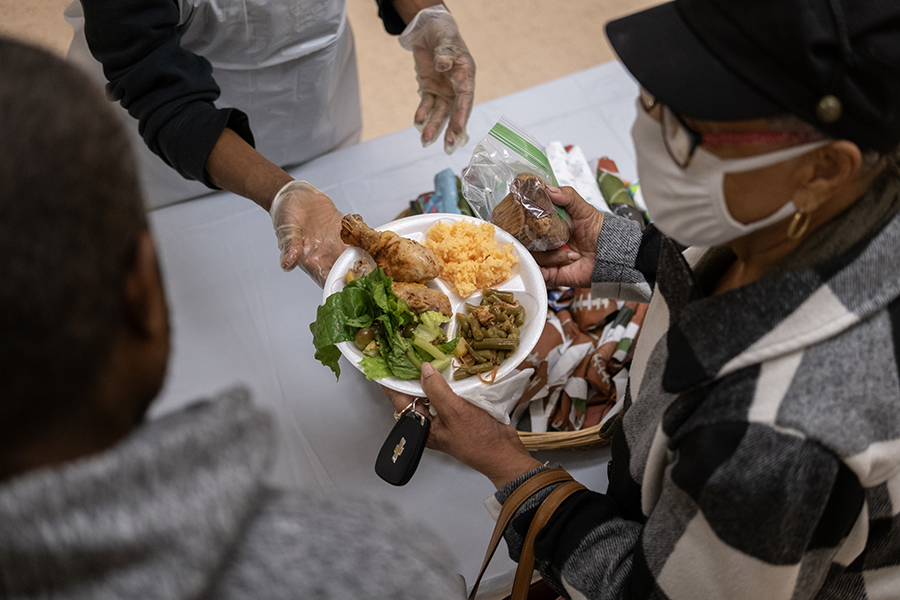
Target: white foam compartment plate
pixel 525 282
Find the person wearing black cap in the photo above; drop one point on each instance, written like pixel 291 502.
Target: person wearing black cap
pixel 757 454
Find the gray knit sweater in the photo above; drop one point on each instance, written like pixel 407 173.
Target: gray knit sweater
pixel 179 510
pixel 759 452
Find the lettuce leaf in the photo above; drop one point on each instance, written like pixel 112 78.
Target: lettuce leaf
pixel 370 300
pixel 375 367
pixel 430 324
pixel 448 347
pixel 362 302
pixel 399 361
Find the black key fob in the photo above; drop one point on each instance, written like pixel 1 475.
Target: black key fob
pixel 399 456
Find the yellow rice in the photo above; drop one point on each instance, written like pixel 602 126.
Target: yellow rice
pixel 468 256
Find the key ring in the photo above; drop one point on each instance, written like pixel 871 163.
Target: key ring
pixel 412 407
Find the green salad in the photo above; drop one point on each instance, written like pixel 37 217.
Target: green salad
pixel 394 340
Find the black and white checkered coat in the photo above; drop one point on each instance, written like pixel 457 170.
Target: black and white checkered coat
pixel 759 453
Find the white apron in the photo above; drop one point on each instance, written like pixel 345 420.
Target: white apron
pixel 289 64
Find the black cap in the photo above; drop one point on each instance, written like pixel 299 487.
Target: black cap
pixel 833 63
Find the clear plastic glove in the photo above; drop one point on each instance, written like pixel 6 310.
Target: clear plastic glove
pixel 308 227
pixel 446 74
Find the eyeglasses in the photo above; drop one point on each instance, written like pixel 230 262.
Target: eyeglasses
pixel 682 142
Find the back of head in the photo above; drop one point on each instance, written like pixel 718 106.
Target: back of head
pixel 70 215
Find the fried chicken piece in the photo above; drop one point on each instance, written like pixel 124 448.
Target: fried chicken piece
pixel 402 259
pixel 418 297
pixel 421 298
pixel 360 268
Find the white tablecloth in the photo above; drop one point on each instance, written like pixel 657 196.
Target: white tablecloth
pixel 237 318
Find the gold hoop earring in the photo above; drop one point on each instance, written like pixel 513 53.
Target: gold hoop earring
pixel 799 225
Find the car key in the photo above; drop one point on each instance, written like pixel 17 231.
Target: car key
pixel 399 456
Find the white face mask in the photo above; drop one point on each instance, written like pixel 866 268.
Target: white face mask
pixel 688 205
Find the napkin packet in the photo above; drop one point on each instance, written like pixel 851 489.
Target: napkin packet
pixel 505 183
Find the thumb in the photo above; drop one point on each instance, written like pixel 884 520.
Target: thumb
pixel 555 258
pixel 563 196
pixel 569 199
pixel 444 57
pixel 438 391
pixel 290 252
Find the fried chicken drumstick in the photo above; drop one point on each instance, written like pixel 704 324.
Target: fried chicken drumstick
pixel 402 259
pixel 418 297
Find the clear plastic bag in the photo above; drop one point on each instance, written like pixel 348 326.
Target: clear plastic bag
pixel 505 184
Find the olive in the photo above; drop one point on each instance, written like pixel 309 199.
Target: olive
pixel 407 331
pixel 364 337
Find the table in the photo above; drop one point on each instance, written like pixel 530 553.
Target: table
pixel 237 318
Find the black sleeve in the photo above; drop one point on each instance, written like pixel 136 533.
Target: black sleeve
pixel 169 90
pixel 647 260
pixel 393 24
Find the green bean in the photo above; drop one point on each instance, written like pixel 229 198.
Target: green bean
pixel 488 298
pixel 496 344
pixel 464 329
pixel 519 316
pixel 479 357
pixel 477 332
pixel 504 296
pixel 489 346
pixel 482 368
pixel 495 332
pixel 461 374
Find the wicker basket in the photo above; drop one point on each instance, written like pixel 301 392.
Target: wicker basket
pixel 563 440
pixel 584 439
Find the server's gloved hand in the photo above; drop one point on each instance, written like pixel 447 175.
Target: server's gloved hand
pixel 446 74
pixel 308 227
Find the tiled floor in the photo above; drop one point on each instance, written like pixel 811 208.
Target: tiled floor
pixel 516 44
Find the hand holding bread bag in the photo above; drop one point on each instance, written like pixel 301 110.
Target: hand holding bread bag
pixel 529 215
pixel 505 183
